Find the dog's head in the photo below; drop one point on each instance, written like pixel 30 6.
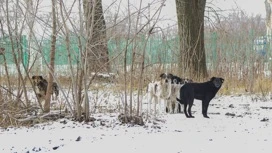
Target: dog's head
pixel 186 80
pixel 166 77
pixel 217 81
pixel 176 80
pixel 37 79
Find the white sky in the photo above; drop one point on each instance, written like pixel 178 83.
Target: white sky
pixel 169 11
pixel 250 7
pixel 168 14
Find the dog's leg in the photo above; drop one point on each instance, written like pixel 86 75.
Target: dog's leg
pixel 167 106
pixel 185 110
pixel 205 105
pixel 173 106
pixel 190 110
pixel 161 108
pixel 155 105
pixel 149 101
pixel 160 102
pixel 176 107
pixel 166 103
pixel 149 106
pixel 203 108
pixel 151 98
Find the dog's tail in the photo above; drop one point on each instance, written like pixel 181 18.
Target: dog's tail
pixel 180 101
pixel 181 97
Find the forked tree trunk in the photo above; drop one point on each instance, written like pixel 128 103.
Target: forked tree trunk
pixel 192 61
pixel 52 59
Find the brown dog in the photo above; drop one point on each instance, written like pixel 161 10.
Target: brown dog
pixel 41 87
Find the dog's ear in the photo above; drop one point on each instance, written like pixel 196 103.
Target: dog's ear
pixel 190 81
pixel 40 77
pixel 212 78
pixel 162 75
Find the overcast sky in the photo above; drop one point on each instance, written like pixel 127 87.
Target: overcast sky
pixel 168 13
pixel 250 7
pixel 169 10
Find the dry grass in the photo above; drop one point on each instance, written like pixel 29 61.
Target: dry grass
pixel 10 111
pixel 259 85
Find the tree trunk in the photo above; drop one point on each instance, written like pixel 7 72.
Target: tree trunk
pixel 15 40
pixel 268 19
pixel 52 59
pixel 98 58
pixel 192 61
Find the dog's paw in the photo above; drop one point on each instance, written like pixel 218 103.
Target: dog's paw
pixel 206 116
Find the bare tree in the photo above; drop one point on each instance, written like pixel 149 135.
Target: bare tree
pixel 14 36
pixel 52 58
pixel 190 14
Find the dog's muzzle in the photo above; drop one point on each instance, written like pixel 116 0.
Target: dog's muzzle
pixel 217 85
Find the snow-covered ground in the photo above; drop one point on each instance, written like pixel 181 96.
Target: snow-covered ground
pixel 236 124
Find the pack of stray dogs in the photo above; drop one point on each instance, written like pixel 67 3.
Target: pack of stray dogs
pixel 175 91
pixel 171 89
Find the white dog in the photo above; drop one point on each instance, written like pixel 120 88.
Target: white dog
pixel 160 91
pixel 177 83
pixel 172 103
pixel 165 91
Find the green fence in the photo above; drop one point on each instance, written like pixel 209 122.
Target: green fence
pixel 240 47
pixel 158 49
pixel 61 56
pixel 18 48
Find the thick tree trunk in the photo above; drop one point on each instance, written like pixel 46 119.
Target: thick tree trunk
pixel 98 58
pixel 192 61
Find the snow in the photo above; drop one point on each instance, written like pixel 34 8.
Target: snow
pixel 237 124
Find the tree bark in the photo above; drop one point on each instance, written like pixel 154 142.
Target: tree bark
pixel 268 18
pixel 52 58
pixel 192 61
pixel 98 57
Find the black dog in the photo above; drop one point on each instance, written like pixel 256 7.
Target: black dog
pixel 202 91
